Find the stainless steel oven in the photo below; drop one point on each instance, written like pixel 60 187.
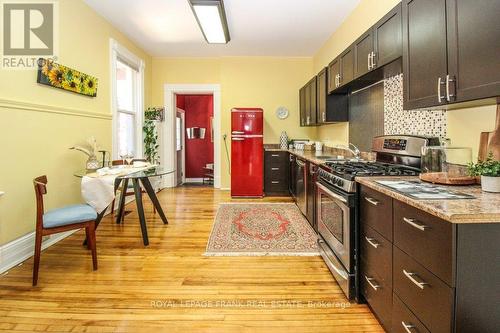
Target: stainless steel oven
pixel 336 224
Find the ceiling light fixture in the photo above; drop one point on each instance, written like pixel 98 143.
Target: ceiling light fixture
pixel 211 18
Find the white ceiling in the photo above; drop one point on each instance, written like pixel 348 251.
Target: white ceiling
pixel 257 27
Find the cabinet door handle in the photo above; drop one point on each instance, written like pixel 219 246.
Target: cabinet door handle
pixel 308 121
pixel 413 223
pixel 275 182
pixel 440 83
pixel 373 60
pixel 448 80
pixel 371 242
pixel 411 277
pixel 324 116
pixel 374 286
pixel 275 169
pixel 372 201
pixel 275 155
pixel 407 327
pixel 369 61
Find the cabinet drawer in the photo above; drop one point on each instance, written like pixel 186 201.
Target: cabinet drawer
pixel 403 320
pixel 426 238
pixel 276 187
pixel 376 211
pixel 377 293
pixel 275 158
pixel 429 298
pixel 377 251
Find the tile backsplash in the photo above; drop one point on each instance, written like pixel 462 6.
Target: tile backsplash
pixel 416 122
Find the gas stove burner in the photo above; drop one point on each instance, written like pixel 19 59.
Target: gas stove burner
pixel 350 169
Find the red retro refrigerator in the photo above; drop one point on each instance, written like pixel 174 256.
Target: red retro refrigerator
pixel 247 155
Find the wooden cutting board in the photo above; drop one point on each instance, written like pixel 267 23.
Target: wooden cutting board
pixel 490 141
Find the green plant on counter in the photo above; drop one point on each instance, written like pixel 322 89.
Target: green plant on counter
pixel 488 168
pixel 151 116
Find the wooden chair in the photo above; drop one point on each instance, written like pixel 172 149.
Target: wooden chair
pixel 60 220
pixel 130 189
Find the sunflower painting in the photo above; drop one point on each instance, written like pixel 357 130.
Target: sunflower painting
pixel 59 76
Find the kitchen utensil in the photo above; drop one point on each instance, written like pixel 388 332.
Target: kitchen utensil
pixel 446 165
pixel 490 141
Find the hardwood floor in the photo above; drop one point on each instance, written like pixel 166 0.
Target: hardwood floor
pixel 170 286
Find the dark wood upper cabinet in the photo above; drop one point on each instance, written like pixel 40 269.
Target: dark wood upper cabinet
pixel 346 66
pixel 380 45
pixel 473 49
pixel 424 53
pixel 312 120
pixel 388 38
pixel 302 105
pixel 332 108
pixel 321 93
pixel 363 48
pixel 308 103
pixel 333 74
pixel 450 51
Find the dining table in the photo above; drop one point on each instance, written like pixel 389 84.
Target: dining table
pixel 139 177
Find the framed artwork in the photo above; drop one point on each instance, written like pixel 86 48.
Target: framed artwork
pixel 62 77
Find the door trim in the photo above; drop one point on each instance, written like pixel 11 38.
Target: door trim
pixel 167 135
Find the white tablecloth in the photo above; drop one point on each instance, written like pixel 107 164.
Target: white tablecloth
pixel 99 191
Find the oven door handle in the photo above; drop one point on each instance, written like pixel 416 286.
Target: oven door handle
pixel 330 193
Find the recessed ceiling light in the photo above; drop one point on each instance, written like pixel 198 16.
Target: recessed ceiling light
pixel 211 18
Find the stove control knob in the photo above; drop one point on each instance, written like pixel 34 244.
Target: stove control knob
pixel 340 182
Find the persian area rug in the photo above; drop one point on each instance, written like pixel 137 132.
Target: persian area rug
pixel 261 229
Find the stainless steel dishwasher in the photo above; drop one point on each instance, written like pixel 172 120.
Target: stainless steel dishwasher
pixel 300 185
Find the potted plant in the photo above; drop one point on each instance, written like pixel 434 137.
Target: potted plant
pixel 489 170
pixel 152 116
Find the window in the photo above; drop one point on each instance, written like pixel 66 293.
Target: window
pixel 127 77
pixel 126 82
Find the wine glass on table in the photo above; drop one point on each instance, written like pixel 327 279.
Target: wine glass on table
pixel 123 155
pixel 129 158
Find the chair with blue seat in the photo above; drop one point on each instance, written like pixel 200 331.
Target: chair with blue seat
pixel 60 220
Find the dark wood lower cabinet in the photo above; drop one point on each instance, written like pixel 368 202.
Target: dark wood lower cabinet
pixel 403 320
pixel 435 276
pixel 424 293
pixel 276 173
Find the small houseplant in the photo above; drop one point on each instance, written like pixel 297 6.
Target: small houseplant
pixel 90 149
pixel 489 170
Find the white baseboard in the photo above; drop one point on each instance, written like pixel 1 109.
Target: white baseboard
pixel 23 248
pixel 194 180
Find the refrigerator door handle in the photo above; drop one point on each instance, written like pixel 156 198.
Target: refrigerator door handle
pixel 237 132
pixel 238 139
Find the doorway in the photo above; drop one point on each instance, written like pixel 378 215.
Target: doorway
pixel 197 153
pixel 170 156
pixel 180 144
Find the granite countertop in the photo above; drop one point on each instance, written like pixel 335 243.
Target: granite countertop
pixel 485 208
pixel 309 155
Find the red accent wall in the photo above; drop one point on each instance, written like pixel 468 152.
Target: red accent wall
pixel 199 152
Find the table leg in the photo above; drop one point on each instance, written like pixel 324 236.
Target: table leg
pixel 140 211
pixel 152 195
pixel 121 206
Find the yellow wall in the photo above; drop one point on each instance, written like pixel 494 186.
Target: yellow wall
pixel 266 82
pixel 35 140
pixel 464 125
